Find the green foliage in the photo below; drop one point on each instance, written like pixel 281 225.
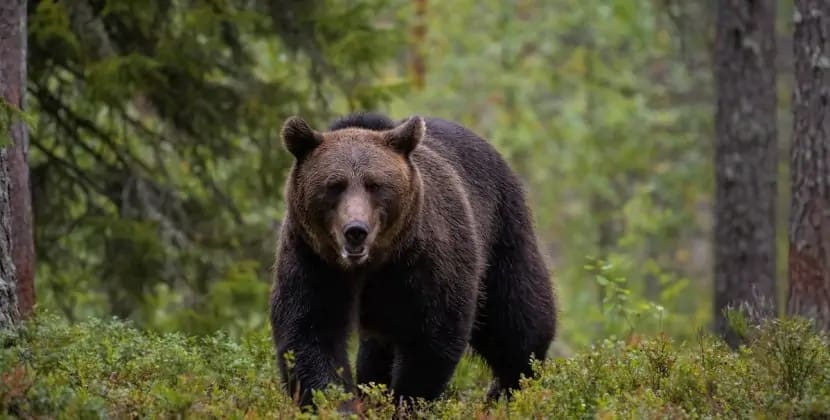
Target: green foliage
pixel 10 113
pixel 157 172
pixel 618 308
pixel 624 311
pixel 237 301
pixel 103 369
pixel 157 165
pixel 595 104
pixel 656 378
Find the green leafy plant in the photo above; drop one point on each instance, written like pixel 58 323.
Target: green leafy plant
pixel 111 369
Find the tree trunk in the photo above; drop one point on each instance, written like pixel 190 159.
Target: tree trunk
pixel 419 34
pixel 12 76
pixel 8 281
pixel 12 90
pixel 745 161
pixel 809 260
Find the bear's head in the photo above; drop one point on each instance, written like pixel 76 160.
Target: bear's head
pixel 353 190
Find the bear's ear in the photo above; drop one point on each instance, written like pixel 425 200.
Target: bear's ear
pixel 299 138
pixel 405 137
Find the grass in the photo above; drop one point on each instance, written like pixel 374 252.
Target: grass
pixel 109 369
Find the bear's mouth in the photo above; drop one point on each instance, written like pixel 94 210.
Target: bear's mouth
pixel 357 255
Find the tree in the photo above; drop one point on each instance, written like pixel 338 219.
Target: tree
pixel 13 132
pixel 8 279
pixel 156 165
pixel 418 44
pixel 809 234
pixel 22 235
pixel 745 160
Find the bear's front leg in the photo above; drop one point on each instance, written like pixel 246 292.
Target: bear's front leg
pixel 424 368
pixel 374 361
pixel 434 306
pixel 310 317
pixel 313 365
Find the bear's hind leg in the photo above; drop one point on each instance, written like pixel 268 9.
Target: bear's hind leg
pixel 374 361
pixel 518 318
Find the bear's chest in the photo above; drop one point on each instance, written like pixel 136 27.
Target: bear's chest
pixel 388 308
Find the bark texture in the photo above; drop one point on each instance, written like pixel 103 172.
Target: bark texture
pixel 745 160
pixel 809 234
pixel 12 75
pixel 419 34
pixel 12 89
pixel 8 281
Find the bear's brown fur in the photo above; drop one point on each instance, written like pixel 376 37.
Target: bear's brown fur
pixel 418 233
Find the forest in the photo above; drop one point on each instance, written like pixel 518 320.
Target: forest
pixel 675 155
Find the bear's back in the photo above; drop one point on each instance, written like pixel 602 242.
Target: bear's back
pixel 475 160
pixel 488 180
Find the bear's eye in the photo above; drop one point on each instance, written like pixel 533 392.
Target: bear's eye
pixel 336 187
pixel 372 187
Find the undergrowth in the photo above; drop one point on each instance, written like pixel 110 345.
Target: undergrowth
pixel 109 369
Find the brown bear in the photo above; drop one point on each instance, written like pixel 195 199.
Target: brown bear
pixel 418 235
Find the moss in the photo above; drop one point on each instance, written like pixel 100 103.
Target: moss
pixel 8 114
pixel 111 369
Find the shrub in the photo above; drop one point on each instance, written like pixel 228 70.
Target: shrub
pixel 108 368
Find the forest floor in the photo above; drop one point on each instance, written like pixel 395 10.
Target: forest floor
pixel 110 369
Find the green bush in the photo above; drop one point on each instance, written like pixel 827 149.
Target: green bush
pixel 103 369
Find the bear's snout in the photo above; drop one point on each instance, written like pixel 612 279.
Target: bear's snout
pixel 355 250
pixel 355 233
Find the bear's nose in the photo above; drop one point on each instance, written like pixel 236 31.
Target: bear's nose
pixel 356 232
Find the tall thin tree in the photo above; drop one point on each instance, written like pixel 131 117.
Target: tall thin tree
pixel 8 279
pixel 12 150
pixel 419 34
pixel 809 235
pixel 745 160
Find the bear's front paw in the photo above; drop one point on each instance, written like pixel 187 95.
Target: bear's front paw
pixel 351 406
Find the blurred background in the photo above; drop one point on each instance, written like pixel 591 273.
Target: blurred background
pixel 157 167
